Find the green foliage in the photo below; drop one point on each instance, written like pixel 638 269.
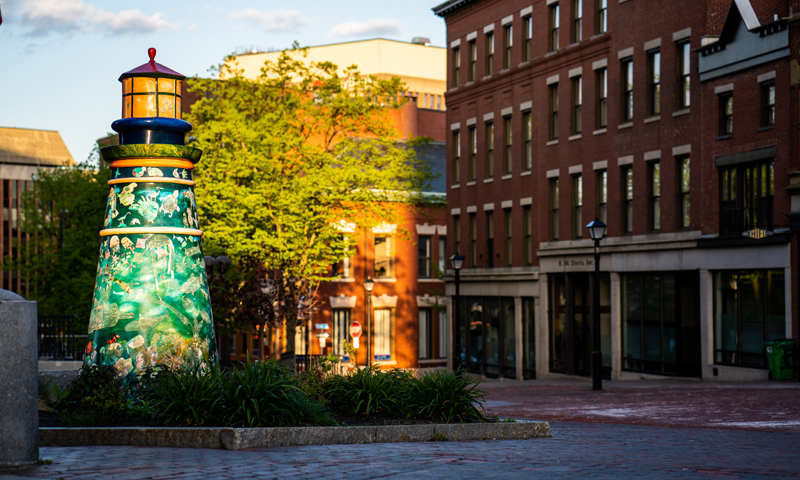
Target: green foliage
pixel 188 397
pixel 444 397
pixel 288 155
pixel 63 282
pixel 44 461
pixel 368 391
pixel 266 394
pixel 438 437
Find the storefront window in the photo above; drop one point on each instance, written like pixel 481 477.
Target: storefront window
pixel 491 336
pixel 749 309
pixel 649 323
pixel 528 338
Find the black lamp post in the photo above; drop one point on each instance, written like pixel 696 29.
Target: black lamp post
pixel 457 261
pixel 369 284
pixel 597 230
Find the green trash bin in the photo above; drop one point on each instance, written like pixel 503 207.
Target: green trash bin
pixel 776 352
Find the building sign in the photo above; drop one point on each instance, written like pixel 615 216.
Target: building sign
pixel 576 262
pixel 757 233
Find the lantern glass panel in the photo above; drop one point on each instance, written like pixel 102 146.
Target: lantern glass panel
pixel 126 85
pixel 178 107
pixel 166 106
pixel 144 84
pixel 166 85
pixel 144 105
pixel 126 107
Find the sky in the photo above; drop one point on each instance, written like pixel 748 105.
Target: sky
pixel 60 59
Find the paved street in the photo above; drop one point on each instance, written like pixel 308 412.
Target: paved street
pixel 647 429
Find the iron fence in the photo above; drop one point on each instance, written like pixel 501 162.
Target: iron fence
pixel 57 338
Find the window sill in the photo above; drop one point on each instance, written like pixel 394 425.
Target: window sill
pixel 507 176
pixel 724 137
pixel 577 136
pixel 525 173
pixel 552 142
pixel 471 183
pixel 431 360
pixel 385 280
pixel 454 186
pixel 625 125
pixel 678 113
pixel 765 129
pixel 488 180
pixel 343 280
pixel 600 131
pixel 430 280
pixel 654 118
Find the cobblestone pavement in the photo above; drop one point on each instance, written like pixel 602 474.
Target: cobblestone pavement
pixel 766 406
pixel 575 450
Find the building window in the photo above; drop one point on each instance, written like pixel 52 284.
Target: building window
pixel 527 232
pixel 424 256
pixel 508 157
pixel 473 61
pixel 767 104
pixel 456 66
pixel 601 191
pixel 527 32
pixel 341 330
pixel 456 234
pixel 577 101
pixel 490 239
pixel 384 338
pixel 601 89
pixel 554 209
pixel 627 196
pixel 749 309
pixel 725 114
pixel 552 41
pixel 472 141
pixel 653 83
pixel 384 257
pixel 507 233
pixel 473 241
pixel 343 268
pixel 443 334
pixel 508 42
pixel 527 133
pixel 442 254
pixel 654 169
pixel 627 90
pixel 747 197
pixel 456 166
pixel 577 205
pixel 683 69
pixel 489 143
pixel 489 53
pixel 425 334
pixel 684 198
pixel 601 18
pixel 577 20
pixel 554 111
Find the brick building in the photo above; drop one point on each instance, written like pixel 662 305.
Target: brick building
pixel 671 122
pixel 408 308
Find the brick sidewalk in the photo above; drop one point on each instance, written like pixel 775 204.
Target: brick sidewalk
pixel 766 406
pixel 575 450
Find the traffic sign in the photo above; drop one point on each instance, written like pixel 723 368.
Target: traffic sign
pixel 355 329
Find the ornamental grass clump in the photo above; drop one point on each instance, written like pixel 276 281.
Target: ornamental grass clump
pixel 445 397
pixel 187 397
pixel 368 391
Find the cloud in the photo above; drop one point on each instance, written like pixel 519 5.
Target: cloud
pixel 376 26
pixel 75 16
pixel 274 21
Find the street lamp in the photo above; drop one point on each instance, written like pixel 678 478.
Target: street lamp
pixel 369 284
pixel 457 261
pixel 597 230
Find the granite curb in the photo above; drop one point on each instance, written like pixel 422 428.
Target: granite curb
pixel 240 438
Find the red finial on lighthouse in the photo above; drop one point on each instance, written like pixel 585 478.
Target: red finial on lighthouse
pixel 152 53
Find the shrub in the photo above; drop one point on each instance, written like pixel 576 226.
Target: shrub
pixel 186 397
pixel 445 397
pixel 368 391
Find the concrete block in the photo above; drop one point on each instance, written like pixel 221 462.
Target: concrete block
pixel 19 402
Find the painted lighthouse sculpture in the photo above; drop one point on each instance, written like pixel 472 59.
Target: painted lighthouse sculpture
pixel 151 302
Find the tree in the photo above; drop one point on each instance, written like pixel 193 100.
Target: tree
pixel 289 155
pixel 62 279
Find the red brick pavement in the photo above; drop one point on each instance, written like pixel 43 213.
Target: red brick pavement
pixel 766 406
